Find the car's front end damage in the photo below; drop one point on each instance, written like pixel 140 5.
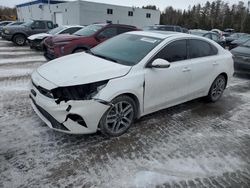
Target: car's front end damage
pixel 68 109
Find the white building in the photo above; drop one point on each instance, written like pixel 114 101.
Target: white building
pixel 84 13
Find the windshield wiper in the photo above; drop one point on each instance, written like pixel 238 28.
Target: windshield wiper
pixel 101 56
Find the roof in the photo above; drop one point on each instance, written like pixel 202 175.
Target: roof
pixel 158 34
pixel 39 2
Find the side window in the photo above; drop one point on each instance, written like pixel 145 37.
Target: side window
pixel 124 30
pixel 175 51
pixel 39 25
pixel 70 30
pixel 199 48
pixel 108 32
pixel 50 25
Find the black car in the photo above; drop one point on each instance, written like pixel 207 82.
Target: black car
pixel 175 28
pixel 242 58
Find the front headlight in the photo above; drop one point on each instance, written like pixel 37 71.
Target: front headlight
pixel 79 92
pixel 6 31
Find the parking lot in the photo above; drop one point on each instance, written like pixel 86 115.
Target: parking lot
pixel 196 144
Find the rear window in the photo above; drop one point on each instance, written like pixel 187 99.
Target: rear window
pixel 199 48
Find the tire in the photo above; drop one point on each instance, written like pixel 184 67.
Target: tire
pixel 119 117
pixel 217 89
pixel 79 50
pixel 19 40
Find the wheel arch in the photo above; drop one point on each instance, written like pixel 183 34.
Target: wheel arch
pixel 134 97
pixel 80 47
pixel 226 77
pixel 19 33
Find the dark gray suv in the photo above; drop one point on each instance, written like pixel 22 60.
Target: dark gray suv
pixel 19 34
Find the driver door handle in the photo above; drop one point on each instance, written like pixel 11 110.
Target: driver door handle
pixel 186 69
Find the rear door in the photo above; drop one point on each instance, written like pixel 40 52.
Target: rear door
pixel 168 86
pixel 203 62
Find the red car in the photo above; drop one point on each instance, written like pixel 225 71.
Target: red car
pixel 82 40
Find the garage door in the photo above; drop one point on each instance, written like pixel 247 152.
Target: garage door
pixel 59 18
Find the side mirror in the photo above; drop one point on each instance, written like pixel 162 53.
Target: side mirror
pixel 32 27
pixel 160 63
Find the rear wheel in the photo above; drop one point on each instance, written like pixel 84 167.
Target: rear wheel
pixel 119 117
pixel 19 39
pixel 217 89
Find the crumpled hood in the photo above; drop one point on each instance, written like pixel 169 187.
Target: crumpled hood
pixel 81 68
pixel 39 36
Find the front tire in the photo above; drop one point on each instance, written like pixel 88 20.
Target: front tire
pixel 217 89
pixel 19 40
pixel 119 117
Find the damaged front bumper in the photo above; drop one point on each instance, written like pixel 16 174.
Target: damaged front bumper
pixel 74 117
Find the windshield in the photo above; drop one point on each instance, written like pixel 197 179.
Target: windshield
pixel 55 30
pixel 29 23
pixel 246 44
pixel 89 30
pixel 133 49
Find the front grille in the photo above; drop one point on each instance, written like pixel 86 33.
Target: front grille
pixel 55 124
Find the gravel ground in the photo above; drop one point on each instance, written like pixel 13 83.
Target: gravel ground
pixel 195 144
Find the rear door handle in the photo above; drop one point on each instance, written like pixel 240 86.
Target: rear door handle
pixel 186 69
pixel 215 63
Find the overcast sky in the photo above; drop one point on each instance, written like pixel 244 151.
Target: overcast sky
pixel 162 4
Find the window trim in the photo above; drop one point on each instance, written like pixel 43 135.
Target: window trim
pixel 132 13
pixel 150 60
pixel 148 15
pixel 110 11
pixel 203 41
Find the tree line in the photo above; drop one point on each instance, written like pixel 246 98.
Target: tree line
pixel 7 13
pixel 217 14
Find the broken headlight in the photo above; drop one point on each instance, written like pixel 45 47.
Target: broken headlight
pixel 78 92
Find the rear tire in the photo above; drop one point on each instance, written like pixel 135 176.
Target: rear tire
pixel 19 40
pixel 217 89
pixel 119 117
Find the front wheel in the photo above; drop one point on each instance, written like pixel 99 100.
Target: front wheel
pixel 119 117
pixel 217 89
pixel 19 39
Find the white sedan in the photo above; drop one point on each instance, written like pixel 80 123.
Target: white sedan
pixel 36 39
pixel 127 77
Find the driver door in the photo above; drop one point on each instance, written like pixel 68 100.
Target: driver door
pixel 168 86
